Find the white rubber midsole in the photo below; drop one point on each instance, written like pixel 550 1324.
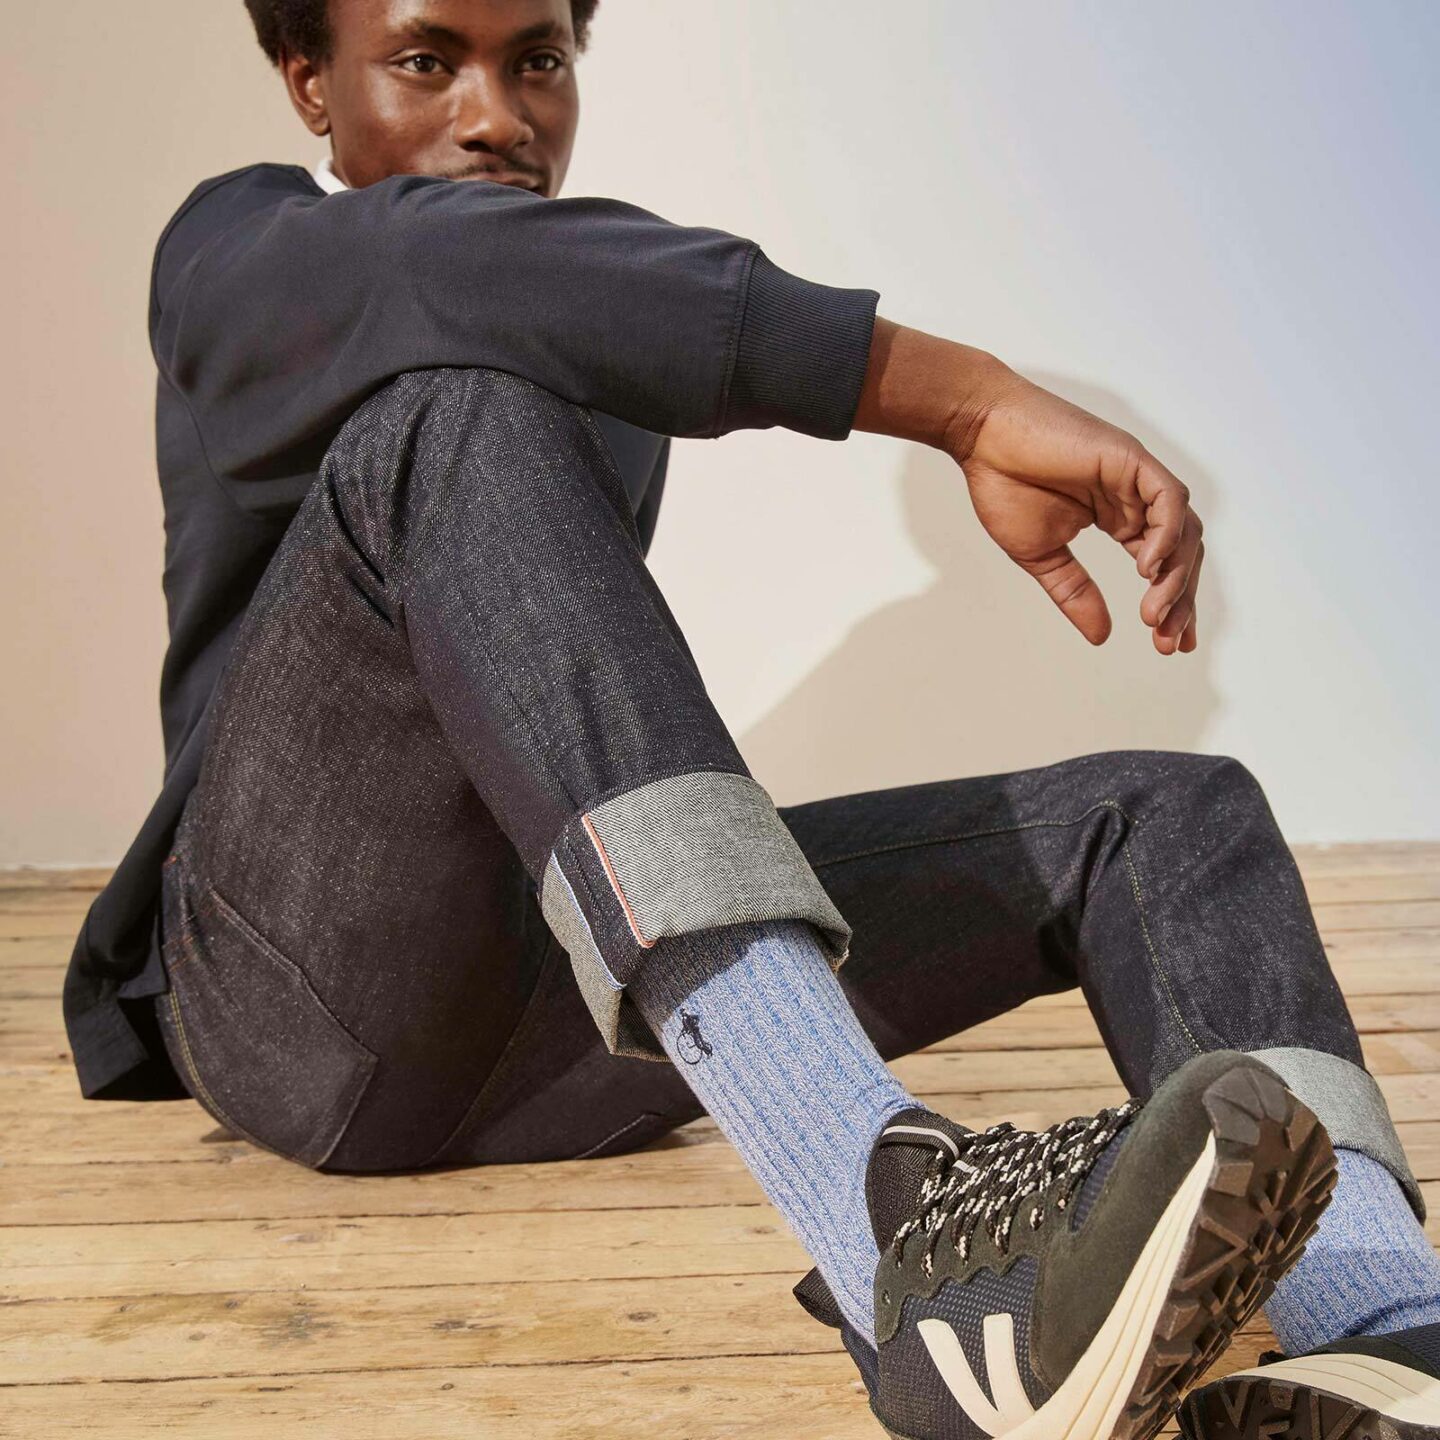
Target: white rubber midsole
pixel 1393 1390
pixel 1088 1403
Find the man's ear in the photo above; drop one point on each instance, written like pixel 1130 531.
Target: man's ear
pixel 305 85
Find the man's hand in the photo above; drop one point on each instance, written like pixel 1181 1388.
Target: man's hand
pixel 1040 470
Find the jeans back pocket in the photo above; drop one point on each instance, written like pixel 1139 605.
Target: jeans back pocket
pixel 260 1050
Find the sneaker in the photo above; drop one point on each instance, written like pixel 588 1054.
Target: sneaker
pixel 1074 1282
pixel 1382 1387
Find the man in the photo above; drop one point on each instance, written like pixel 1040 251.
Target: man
pixel 453 846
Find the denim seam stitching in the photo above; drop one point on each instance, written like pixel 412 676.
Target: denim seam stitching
pixel 1155 963
pixel 585 920
pixel 275 953
pixel 209 1100
pixel 182 951
pixel 581 881
pixel 644 1115
pixel 968 835
pixel 368 1059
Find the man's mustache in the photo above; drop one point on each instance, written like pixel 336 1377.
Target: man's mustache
pixel 499 166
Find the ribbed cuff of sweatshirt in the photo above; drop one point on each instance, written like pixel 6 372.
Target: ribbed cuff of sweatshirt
pixel 800 356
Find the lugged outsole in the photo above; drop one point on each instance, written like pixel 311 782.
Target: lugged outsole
pixel 1288 1406
pixel 1272 1176
pixel 1274 1171
pixel 1251 1407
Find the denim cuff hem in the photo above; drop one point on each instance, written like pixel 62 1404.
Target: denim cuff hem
pixel 1351 1107
pixel 684 853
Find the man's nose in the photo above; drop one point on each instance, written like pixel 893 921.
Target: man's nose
pixel 489 118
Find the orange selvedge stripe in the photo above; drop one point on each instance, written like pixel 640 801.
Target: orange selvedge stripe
pixel 615 883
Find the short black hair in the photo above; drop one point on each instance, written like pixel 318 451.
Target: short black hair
pixel 302 27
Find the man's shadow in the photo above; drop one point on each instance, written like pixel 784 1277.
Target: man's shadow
pixel 979 673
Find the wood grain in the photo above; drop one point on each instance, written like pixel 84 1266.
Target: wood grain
pixel 160 1276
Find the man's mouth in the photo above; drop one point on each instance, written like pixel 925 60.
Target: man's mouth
pixel 506 177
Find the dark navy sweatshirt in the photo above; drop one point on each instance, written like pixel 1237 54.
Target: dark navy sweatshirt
pixel 276 309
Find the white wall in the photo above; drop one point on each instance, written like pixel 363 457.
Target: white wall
pixel 1214 224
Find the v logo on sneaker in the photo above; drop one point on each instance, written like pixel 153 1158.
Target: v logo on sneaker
pixel 1007 1405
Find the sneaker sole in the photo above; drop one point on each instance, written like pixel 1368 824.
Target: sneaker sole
pixel 1322 1397
pixel 1238 1221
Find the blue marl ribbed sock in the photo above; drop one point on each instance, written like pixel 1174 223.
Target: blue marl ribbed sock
pixel 1367 1269
pixel 756 1021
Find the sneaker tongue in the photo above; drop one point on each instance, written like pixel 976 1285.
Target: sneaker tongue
pixel 899 1158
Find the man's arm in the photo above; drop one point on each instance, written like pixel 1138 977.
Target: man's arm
pixel 276 310
pixel 1040 470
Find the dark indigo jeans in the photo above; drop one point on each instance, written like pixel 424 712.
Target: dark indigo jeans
pixel 463 774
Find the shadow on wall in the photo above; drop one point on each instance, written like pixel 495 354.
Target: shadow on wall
pixel 979 673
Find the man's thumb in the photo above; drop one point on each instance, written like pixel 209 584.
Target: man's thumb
pixel 1067 582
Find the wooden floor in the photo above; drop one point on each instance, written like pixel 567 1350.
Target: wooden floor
pixel 158 1276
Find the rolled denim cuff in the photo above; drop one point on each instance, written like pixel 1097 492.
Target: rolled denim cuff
pixel 684 853
pixel 1349 1104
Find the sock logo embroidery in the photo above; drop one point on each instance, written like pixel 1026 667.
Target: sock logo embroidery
pixel 1010 1405
pixel 692 1045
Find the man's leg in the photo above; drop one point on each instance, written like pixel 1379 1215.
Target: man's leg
pixel 477 526
pixel 456 686
pixel 971 896
pixel 1161 885
pixel 351 936
pixel 484 528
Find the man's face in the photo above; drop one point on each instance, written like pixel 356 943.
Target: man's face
pixel 463 89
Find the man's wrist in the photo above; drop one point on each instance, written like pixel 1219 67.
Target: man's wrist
pixel 924 388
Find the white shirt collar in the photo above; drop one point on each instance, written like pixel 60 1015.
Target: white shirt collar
pixel 327 179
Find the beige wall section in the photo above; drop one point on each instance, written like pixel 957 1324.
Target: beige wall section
pixel 1219 263
pixel 111 114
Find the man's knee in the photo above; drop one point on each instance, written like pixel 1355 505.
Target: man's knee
pixel 1212 785
pixel 453 408
pixel 434 414
pixel 463 433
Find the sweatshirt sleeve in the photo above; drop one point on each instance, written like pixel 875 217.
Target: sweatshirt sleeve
pixel 275 311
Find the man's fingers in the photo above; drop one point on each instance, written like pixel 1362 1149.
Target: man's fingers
pixel 1168 606
pixel 1175 573
pixel 1179 620
pixel 1167 505
pixel 1067 582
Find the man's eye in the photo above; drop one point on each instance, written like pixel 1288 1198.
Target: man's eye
pixel 543 62
pixel 421 64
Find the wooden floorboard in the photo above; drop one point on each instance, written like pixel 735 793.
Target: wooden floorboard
pixel 158 1276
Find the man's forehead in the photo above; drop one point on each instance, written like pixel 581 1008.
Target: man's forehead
pixel 458 21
